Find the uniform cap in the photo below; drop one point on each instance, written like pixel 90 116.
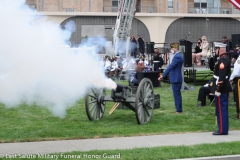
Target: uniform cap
pixel 155 47
pixel 220 45
pixel 174 45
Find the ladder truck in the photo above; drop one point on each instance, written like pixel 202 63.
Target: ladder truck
pixel 121 36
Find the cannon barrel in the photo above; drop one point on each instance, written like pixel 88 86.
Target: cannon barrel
pixel 119 88
pixel 121 92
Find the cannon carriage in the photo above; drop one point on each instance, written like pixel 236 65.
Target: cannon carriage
pixel 141 102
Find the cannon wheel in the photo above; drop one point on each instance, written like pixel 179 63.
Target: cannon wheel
pixel 95 106
pixel 144 103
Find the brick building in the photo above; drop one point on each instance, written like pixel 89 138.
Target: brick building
pixel 162 21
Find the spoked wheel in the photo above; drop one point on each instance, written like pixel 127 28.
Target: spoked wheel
pixel 95 106
pixel 144 103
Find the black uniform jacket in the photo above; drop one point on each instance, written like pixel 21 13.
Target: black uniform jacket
pixel 157 57
pixel 222 74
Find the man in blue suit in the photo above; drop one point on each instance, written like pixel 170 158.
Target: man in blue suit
pixel 175 71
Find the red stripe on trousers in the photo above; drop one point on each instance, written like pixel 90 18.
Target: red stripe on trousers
pixel 220 114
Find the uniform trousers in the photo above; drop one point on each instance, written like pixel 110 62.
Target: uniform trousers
pixel 236 93
pixel 222 112
pixel 141 49
pixel 176 87
pixel 203 93
pixel 134 53
pixel 156 66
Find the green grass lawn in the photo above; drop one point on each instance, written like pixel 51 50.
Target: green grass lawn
pixel 169 152
pixel 155 153
pixel 33 123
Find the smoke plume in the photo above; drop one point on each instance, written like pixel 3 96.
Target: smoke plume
pixel 35 67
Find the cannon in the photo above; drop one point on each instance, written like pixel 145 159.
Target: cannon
pixel 141 102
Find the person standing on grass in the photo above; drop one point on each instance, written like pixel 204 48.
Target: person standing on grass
pixel 235 78
pixel 222 87
pixel 175 71
pixel 157 59
pixel 141 44
pixel 133 46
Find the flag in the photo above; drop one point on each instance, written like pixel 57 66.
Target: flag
pixel 236 3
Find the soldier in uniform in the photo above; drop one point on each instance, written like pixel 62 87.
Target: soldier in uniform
pixel 204 92
pixel 222 88
pixel 235 78
pixel 157 59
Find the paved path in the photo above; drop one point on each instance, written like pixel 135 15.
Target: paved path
pixel 116 143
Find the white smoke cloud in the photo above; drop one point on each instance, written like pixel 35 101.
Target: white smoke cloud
pixel 34 65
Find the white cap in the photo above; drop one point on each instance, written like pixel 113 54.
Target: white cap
pixel 221 45
pixel 155 47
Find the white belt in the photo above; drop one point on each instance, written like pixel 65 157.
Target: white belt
pixel 217 77
pixel 156 61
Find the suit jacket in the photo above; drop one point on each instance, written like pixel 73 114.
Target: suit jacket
pixel 175 69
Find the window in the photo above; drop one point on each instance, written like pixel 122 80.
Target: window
pixel 115 3
pixel 32 6
pixel 69 10
pixel 200 3
pixel 170 3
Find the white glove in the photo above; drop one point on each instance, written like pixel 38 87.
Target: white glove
pixel 206 85
pixel 217 94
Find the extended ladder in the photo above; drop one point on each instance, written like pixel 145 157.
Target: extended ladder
pixel 121 36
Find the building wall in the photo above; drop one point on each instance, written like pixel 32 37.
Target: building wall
pixel 148 3
pixel 107 3
pixel 161 29
pixel 108 22
pixel 51 5
pixel 191 3
pixel 84 6
pixel 181 6
pixel 226 4
pixel 155 6
pixel 157 27
pixel 156 23
pixel 96 5
pixel 31 1
pixel 214 29
pixel 161 6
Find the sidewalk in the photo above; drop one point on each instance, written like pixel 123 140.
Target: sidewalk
pixel 115 143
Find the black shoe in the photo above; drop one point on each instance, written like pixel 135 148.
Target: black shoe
pixel 217 133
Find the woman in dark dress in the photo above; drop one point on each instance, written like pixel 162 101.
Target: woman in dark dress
pixel 197 50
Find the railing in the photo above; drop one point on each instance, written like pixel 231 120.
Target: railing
pixel 142 9
pixel 236 11
pixel 213 10
pixel 146 9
